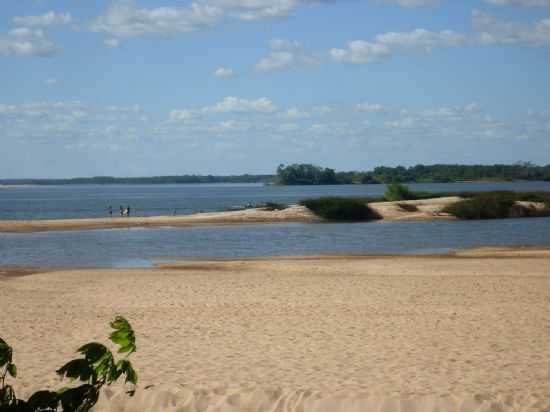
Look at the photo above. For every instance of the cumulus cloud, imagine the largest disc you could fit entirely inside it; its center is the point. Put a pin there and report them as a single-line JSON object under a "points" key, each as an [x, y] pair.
{"points": [[361, 52], [493, 30], [224, 72], [50, 18], [285, 53], [365, 52], [112, 43], [423, 39], [24, 41], [370, 107], [125, 18], [524, 3], [413, 3], [237, 105], [295, 114], [275, 61], [182, 115]]}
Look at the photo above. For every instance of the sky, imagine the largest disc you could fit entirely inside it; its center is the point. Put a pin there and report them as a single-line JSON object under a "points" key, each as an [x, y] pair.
{"points": [[170, 87]]}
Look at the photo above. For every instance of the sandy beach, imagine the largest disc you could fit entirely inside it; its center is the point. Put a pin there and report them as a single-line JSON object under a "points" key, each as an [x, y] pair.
{"points": [[465, 331], [427, 209]]}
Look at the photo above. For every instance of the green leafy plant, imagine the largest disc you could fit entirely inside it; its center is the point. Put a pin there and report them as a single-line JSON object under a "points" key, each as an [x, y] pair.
{"points": [[96, 368], [396, 191], [341, 208]]}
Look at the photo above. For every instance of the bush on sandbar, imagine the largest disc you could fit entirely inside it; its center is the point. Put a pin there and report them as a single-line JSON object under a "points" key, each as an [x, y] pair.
{"points": [[341, 208], [498, 205], [396, 191]]}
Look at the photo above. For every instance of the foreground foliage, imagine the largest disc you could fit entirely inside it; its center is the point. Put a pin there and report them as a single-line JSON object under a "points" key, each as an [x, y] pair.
{"points": [[97, 367], [342, 208], [498, 205]]}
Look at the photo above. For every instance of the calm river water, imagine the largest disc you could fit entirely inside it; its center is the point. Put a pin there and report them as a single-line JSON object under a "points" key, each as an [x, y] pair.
{"points": [[139, 247]]}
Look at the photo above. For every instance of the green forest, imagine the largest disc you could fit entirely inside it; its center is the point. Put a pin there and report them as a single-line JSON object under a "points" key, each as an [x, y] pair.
{"points": [[308, 174]]}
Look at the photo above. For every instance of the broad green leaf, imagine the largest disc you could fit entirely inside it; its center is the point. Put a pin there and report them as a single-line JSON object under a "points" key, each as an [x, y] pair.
{"points": [[103, 366], [43, 401], [125, 367], [123, 335], [6, 353], [12, 370], [77, 369], [93, 351], [79, 399]]}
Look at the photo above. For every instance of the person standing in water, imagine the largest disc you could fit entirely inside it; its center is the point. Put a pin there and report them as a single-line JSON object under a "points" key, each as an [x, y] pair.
{"points": [[121, 211], [128, 211], [110, 211]]}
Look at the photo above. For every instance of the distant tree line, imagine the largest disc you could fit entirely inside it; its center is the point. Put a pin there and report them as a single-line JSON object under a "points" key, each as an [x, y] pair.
{"points": [[307, 174], [103, 180]]}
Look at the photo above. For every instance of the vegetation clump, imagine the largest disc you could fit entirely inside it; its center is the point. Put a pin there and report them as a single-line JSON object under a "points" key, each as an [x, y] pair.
{"points": [[396, 191], [96, 368], [273, 206], [341, 208], [498, 205], [408, 207]]}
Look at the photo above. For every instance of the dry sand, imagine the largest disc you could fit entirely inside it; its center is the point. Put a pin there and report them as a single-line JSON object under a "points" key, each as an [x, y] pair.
{"points": [[463, 332], [247, 216], [427, 209]]}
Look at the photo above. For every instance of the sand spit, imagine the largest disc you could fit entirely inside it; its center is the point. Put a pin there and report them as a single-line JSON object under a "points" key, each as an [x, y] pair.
{"points": [[426, 209], [247, 216], [465, 332]]}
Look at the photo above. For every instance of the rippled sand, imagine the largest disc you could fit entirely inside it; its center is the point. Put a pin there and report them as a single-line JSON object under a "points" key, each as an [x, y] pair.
{"points": [[465, 332]]}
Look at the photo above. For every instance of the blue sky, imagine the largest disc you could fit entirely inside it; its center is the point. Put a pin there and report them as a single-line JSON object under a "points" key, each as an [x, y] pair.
{"points": [[142, 87]]}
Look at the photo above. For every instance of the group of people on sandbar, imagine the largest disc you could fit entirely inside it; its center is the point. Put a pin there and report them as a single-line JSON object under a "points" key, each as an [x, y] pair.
{"points": [[124, 211]]}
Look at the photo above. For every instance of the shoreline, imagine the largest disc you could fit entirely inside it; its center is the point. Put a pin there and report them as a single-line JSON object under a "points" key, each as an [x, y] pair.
{"points": [[360, 333], [428, 209]]}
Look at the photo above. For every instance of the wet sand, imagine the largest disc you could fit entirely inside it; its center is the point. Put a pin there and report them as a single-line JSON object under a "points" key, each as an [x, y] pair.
{"points": [[465, 331]]}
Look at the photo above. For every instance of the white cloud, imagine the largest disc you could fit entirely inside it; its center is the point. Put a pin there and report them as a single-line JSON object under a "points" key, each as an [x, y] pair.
{"points": [[183, 115], [112, 43], [285, 53], [295, 114], [224, 72], [52, 81], [275, 61], [524, 3], [421, 38], [125, 18], [413, 3], [50, 18], [405, 123], [237, 105], [370, 107], [496, 31], [23, 41], [361, 52], [288, 127]]}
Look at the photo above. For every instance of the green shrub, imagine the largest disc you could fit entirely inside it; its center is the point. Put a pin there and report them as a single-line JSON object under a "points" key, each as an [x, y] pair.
{"points": [[408, 207], [396, 191], [498, 205], [341, 208], [96, 368], [272, 206]]}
